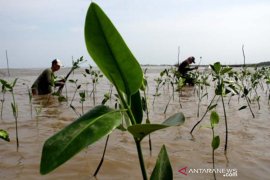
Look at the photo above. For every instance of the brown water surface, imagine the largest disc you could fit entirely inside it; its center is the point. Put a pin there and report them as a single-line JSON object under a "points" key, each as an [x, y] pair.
{"points": [[248, 148]]}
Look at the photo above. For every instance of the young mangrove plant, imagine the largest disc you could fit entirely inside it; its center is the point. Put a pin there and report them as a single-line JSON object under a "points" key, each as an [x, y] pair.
{"points": [[218, 73], [255, 81], [159, 83], [77, 87], [214, 120], [82, 99], [221, 90], [30, 97], [201, 83], [115, 60], [75, 65], [95, 76], [10, 87], [3, 97], [180, 84], [245, 89], [171, 80]]}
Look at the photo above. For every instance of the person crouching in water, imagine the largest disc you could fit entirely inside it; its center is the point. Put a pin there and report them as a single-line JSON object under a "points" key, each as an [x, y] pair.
{"points": [[184, 68], [46, 80]]}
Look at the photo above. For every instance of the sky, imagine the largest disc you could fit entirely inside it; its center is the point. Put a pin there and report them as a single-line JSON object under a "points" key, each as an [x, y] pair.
{"points": [[33, 32]]}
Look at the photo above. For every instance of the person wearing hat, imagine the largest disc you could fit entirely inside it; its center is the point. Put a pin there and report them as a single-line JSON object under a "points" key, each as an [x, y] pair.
{"points": [[184, 68], [46, 80]]}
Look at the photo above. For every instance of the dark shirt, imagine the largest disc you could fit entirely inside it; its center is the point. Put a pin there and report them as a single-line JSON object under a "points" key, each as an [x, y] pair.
{"points": [[184, 68], [44, 82]]}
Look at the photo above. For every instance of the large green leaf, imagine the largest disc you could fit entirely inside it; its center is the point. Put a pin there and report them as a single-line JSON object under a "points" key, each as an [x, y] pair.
{"points": [[139, 131], [110, 52], [163, 168], [86, 130]]}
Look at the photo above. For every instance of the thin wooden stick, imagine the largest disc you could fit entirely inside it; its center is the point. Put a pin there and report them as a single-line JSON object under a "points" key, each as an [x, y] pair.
{"points": [[7, 63], [244, 55]]}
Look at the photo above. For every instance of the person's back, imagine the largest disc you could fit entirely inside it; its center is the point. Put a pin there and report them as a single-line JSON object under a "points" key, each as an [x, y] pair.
{"points": [[184, 68], [44, 82]]}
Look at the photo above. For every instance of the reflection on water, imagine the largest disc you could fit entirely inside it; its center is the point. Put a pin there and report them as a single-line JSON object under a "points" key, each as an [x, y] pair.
{"points": [[248, 148]]}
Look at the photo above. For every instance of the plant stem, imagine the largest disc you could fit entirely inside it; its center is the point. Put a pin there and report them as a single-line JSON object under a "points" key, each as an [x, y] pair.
{"points": [[257, 99], [226, 126], [249, 106], [140, 155], [147, 119], [167, 105], [199, 103], [179, 98], [207, 109], [15, 114], [102, 159], [126, 106], [213, 152], [2, 103], [213, 159], [133, 121]]}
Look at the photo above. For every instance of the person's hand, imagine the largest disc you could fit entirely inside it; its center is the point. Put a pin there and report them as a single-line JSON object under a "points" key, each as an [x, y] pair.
{"points": [[34, 91], [62, 80]]}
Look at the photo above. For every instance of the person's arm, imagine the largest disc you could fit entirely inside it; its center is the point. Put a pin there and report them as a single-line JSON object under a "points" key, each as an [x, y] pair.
{"points": [[190, 69], [59, 82]]}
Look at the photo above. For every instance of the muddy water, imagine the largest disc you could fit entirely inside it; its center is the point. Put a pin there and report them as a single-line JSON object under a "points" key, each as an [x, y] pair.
{"points": [[248, 148]]}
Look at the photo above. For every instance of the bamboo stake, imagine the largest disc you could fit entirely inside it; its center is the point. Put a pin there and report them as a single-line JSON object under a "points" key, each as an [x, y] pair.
{"points": [[7, 63]]}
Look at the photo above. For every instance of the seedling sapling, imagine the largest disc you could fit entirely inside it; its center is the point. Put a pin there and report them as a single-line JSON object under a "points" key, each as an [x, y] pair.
{"points": [[115, 60]]}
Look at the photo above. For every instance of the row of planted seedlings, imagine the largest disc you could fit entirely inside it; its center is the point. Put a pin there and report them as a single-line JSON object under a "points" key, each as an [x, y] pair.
{"points": [[81, 88], [8, 89], [170, 84], [228, 83], [245, 84], [8, 97], [124, 72]]}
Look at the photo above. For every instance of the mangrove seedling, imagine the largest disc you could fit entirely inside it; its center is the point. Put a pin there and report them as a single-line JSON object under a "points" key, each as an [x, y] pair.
{"points": [[218, 73], [10, 87], [201, 82], [77, 87], [30, 97], [82, 98], [95, 76], [214, 120], [3, 98], [221, 90], [109, 51], [75, 65]]}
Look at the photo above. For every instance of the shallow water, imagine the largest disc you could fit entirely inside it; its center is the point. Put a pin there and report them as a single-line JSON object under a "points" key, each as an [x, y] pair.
{"points": [[248, 143]]}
